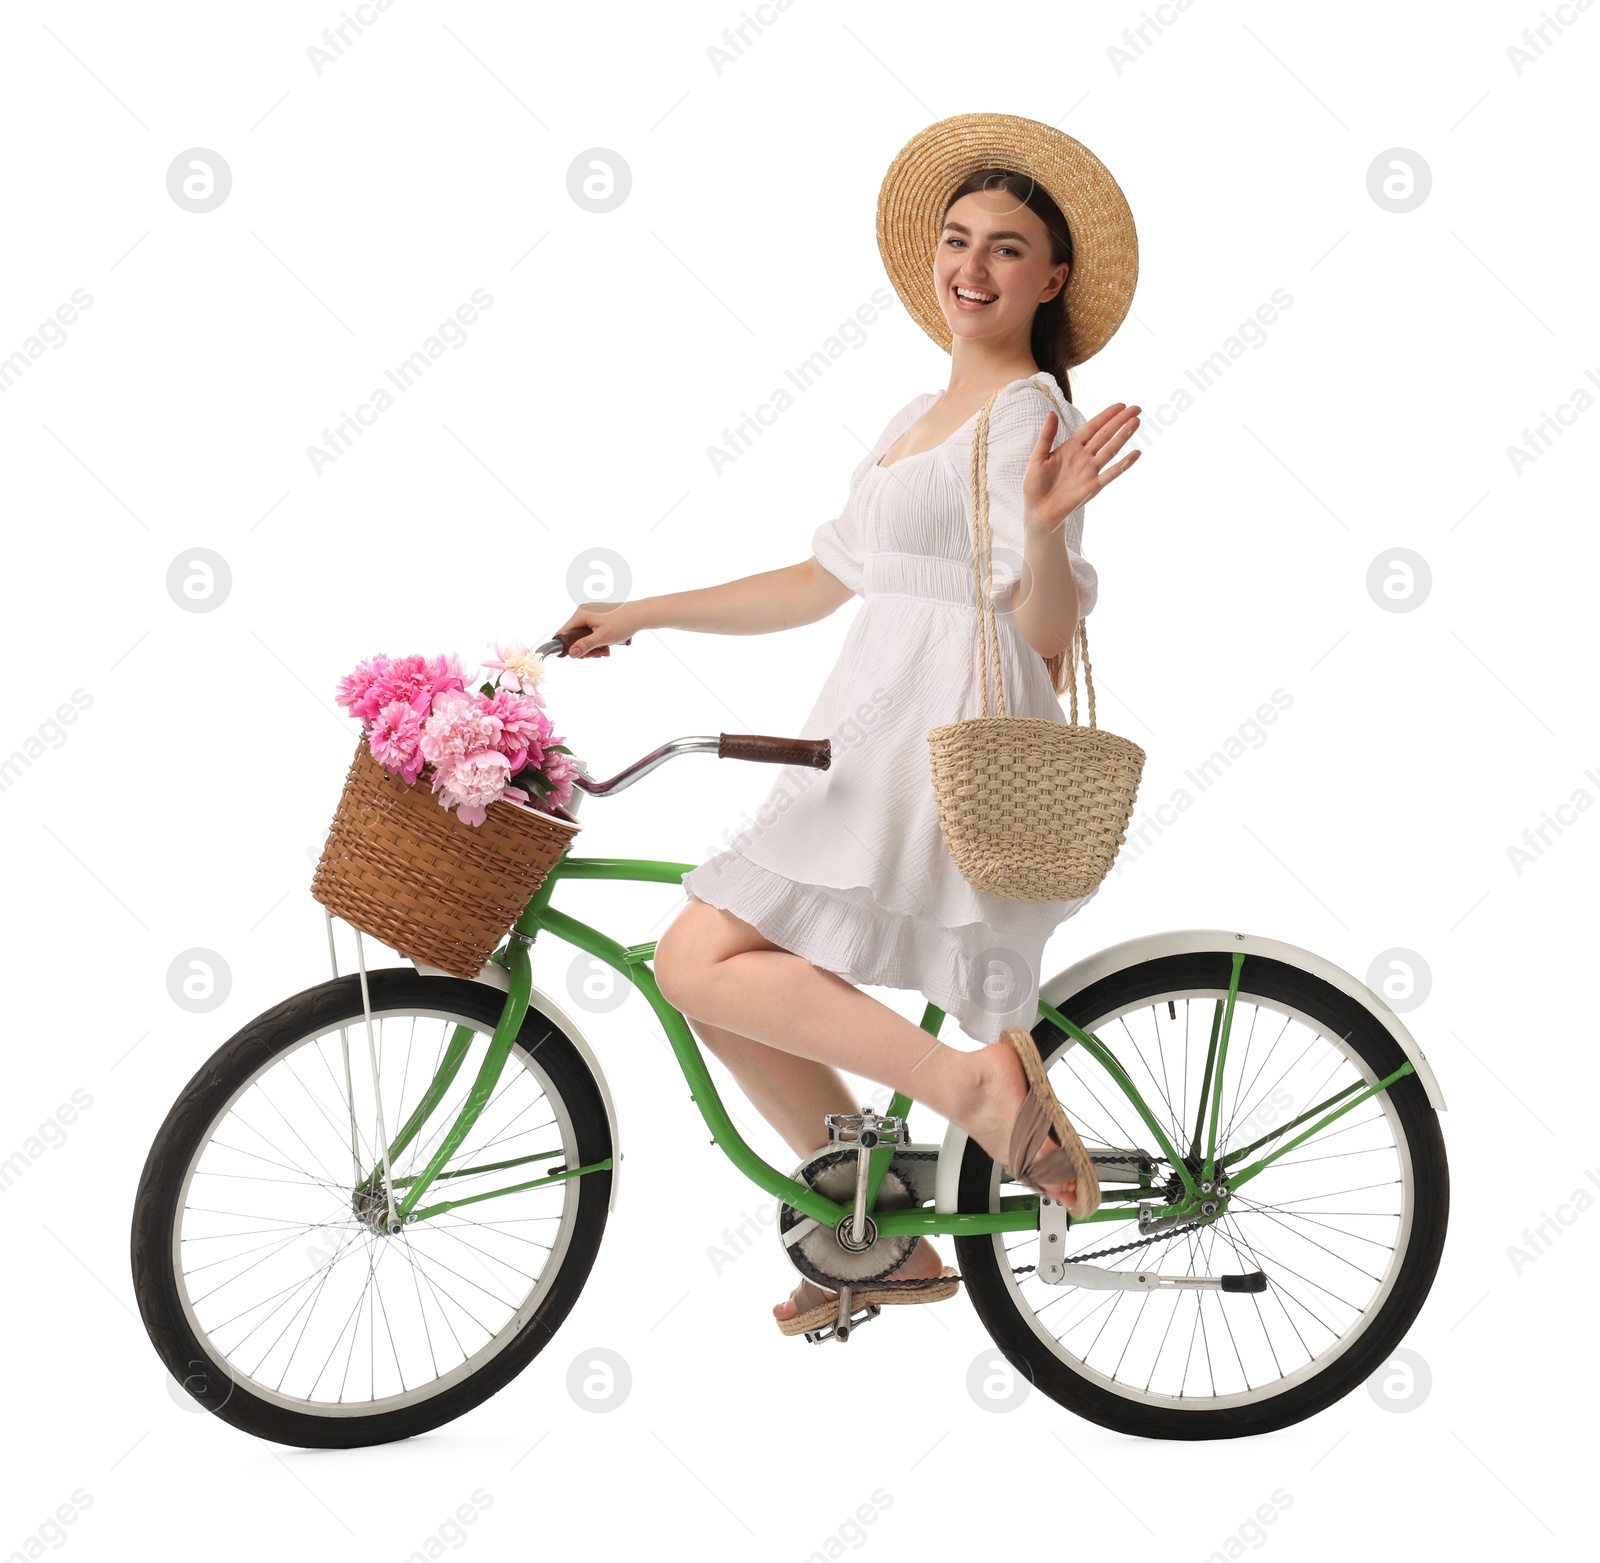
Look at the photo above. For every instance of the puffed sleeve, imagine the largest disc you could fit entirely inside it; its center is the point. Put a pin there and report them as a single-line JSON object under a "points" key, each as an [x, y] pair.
{"points": [[1014, 424], [837, 545]]}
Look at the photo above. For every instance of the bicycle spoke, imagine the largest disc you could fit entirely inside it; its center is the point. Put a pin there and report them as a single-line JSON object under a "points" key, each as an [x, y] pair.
{"points": [[206, 1296], [422, 1313], [452, 1218], [1306, 1161], [196, 1269], [1277, 1285], [261, 1091], [340, 1124], [1262, 1210], [1079, 1119], [1283, 1031], [1164, 1086], [216, 1237], [1241, 1245], [418, 1274], [307, 1306], [1255, 1298], [1312, 1220], [1225, 1133], [320, 1279], [237, 1119], [1172, 1314], [283, 1166]]}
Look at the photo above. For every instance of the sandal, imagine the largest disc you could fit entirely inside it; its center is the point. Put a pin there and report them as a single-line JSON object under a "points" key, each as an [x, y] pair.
{"points": [[816, 1310], [1040, 1115]]}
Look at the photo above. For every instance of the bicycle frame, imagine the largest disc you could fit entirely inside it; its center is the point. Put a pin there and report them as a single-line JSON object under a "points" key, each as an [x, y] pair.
{"points": [[1203, 1177]]}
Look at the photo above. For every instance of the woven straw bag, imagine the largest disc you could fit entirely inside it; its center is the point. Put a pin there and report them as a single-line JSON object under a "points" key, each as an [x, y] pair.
{"points": [[1031, 809], [413, 876]]}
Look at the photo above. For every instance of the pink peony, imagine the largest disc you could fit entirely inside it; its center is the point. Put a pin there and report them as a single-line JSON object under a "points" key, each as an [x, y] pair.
{"points": [[559, 769], [523, 728], [394, 739], [459, 724], [470, 783], [354, 687], [415, 680]]}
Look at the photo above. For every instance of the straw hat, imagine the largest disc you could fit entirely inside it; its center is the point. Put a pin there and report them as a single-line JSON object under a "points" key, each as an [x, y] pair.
{"points": [[934, 162]]}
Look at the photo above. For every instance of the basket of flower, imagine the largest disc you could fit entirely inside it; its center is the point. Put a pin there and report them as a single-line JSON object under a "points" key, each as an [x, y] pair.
{"points": [[454, 808]]}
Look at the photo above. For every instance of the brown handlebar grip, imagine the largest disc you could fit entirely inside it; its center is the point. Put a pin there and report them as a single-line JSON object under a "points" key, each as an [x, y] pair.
{"points": [[572, 635], [814, 752]]}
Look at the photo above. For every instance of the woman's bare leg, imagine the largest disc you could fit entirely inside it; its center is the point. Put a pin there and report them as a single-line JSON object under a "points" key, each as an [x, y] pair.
{"points": [[783, 1025], [794, 1094], [718, 968]]}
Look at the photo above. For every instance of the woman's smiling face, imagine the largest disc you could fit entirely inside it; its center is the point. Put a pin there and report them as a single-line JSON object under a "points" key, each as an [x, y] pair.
{"points": [[993, 268]]}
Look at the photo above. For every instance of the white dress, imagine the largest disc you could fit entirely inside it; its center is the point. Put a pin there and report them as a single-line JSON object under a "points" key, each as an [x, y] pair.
{"points": [[848, 867]]}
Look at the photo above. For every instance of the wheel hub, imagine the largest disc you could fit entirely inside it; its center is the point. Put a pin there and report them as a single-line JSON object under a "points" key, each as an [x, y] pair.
{"points": [[371, 1208]]}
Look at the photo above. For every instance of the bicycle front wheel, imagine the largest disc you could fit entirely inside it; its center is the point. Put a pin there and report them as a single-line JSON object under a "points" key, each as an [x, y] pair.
{"points": [[264, 1271], [1347, 1227]]}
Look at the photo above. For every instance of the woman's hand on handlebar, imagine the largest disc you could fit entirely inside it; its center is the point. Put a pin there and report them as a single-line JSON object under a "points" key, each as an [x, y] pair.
{"points": [[606, 623]]}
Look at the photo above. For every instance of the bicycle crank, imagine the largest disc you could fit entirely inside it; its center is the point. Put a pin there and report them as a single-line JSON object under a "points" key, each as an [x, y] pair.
{"points": [[854, 1256], [832, 1258]]}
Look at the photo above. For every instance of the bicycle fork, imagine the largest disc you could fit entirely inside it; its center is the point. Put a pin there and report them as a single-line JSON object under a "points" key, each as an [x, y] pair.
{"points": [[386, 1202]]}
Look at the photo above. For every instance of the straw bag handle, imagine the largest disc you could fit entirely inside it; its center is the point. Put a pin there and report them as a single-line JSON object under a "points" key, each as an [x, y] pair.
{"points": [[988, 636]]}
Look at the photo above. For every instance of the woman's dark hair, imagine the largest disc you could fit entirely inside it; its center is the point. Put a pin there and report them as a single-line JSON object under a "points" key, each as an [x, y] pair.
{"points": [[1050, 344], [1051, 331]]}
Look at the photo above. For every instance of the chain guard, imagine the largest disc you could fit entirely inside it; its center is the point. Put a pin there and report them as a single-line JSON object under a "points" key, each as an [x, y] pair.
{"points": [[818, 1255]]}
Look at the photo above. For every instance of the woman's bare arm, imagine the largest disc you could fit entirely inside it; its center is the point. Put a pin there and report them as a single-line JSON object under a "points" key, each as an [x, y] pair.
{"points": [[1046, 605], [752, 605], [1057, 481]]}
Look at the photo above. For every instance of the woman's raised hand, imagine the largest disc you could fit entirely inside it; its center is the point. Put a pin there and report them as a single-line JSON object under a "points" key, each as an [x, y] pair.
{"points": [[1058, 481], [606, 623]]}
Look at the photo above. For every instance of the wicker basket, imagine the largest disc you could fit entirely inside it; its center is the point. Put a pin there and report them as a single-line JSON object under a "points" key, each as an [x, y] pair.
{"points": [[1031, 809], [402, 868]]}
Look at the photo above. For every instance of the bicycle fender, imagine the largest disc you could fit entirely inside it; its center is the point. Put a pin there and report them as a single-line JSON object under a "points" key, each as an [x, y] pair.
{"points": [[1188, 941], [498, 977]]}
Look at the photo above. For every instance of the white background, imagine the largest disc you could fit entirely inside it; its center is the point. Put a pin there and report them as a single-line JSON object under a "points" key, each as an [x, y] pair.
{"points": [[186, 804]]}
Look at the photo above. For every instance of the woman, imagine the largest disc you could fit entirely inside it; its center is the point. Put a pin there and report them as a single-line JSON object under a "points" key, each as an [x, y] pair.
{"points": [[846, 878]]}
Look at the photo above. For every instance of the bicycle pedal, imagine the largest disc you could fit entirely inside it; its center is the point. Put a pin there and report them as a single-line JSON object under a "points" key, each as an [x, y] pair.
{"points": [[842, 1334], [865, 1129]]}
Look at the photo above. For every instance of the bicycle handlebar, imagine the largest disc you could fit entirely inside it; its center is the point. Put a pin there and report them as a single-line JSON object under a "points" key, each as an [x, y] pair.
{"points": [[560, 643], [813, 752], [816, 753]]}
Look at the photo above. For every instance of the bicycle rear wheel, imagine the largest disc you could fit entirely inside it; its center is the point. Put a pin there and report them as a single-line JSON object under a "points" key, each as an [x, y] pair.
{"points": [[263, 1273], [1347, 1227]]}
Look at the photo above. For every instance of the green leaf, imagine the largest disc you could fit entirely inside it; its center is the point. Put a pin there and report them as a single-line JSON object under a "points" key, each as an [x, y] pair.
{"points": [[532, 780], [486, 690]]}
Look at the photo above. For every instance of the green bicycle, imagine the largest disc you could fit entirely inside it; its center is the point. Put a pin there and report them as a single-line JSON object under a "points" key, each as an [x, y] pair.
{"points": [[333, 1251]]}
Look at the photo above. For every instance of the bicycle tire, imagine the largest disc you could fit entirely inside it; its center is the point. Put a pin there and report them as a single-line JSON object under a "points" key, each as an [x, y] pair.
{"points": [[988, 1278], [185, 1133]]}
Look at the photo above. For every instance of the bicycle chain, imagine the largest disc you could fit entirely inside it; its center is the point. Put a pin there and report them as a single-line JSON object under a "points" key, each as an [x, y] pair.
{"points": [[1100, 1253], [1119, 1248]]}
